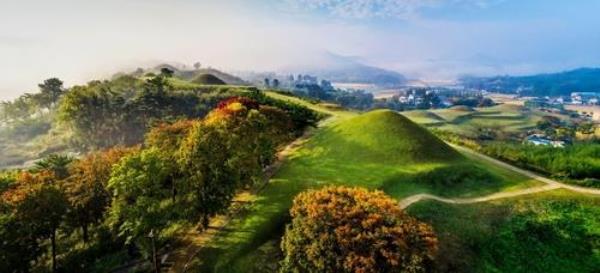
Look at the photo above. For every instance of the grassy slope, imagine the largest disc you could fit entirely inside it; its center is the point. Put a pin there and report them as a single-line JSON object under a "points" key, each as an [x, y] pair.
{"points": [[557, 231], [381, 149]]}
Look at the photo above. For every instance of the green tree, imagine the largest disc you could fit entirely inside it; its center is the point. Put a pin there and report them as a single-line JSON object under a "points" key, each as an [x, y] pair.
{"points": [[211, 179], [57, 164], [51, 90], [166, 72], [138, 190], [339, 229], [167, 138], [95, 115], [18, 245]]}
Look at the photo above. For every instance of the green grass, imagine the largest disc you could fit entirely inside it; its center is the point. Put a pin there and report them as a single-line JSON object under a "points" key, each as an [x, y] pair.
{"points": [[179, 84], [503, 118], [556, 231], [208, 79], [377, 150], [424, 117]]}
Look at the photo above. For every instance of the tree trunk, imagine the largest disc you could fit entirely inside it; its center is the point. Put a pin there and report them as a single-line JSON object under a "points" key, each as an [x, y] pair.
{"points": [[84, 229], [205, 221], [173, 189], [53, 239]]}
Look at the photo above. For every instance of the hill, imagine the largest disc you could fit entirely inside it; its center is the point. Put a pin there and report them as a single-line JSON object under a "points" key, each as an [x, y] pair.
{"points": [[377, 150], [226, 77], [388, 136], [208, 79], [553, 84], [191, 74]]}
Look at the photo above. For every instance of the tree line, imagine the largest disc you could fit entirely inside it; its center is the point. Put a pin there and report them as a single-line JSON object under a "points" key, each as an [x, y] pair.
{"points": [[185, 170]]}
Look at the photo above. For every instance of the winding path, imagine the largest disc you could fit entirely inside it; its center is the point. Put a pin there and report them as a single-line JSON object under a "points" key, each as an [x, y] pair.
{"points": [[550, 185]]}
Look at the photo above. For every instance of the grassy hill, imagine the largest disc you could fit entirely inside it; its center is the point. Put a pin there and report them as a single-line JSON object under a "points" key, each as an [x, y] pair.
{"points": [[552, 232], [388, 136], [377, 150], [190, 74], [208, 79]]}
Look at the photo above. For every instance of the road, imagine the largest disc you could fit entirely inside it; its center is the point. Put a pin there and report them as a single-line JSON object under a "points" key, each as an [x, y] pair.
{"points": [[550, 185]]}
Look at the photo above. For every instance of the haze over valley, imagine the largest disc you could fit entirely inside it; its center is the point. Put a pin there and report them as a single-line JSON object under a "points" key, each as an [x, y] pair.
{"points": [[299, 136], [426, 40]]}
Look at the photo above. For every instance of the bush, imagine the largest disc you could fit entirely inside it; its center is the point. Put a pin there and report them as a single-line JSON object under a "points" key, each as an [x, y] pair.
{"points": [[339, 229]]}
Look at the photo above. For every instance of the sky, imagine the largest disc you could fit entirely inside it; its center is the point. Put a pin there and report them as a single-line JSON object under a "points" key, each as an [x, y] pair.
{"points": [[81, 40]]}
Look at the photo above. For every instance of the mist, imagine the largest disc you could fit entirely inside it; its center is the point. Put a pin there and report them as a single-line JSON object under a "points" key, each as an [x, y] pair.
{"points": [[78, 41]]}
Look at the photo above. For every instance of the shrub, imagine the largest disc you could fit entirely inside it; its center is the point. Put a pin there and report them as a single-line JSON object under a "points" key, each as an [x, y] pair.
{"points": [[339, 229]]}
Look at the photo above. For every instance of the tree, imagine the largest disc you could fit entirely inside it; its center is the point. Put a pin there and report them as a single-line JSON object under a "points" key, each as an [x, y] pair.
{"points": [[197, 65], [167, 139], [339, 229], [86, 189], [51, 90], [98, 116], [39, 202], [18, 245], [275, 83], [267, 82], [57, 164], [19, 109], [204, 160], [166, 72], [138, 189]]}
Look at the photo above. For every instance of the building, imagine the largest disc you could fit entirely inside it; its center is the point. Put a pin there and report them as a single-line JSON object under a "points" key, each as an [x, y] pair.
{"points": [[542, 140], [585, 97]]}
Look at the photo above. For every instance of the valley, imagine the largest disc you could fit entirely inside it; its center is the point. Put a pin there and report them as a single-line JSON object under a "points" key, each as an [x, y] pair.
{"points": [[428, 161]]}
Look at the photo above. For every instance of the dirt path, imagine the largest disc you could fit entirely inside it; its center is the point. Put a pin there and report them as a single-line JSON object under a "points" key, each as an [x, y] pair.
{"points": [[550, 185]]}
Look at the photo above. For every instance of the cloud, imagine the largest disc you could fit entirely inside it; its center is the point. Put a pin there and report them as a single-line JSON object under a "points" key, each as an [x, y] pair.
{"points": [[398, 9]]}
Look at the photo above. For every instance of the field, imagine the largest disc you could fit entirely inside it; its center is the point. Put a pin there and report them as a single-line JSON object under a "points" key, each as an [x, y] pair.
{"points": [[377, 150], [507, 118]]}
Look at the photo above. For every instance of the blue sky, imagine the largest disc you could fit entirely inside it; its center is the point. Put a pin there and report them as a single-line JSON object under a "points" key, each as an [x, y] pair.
{"points": [[431, 39]]}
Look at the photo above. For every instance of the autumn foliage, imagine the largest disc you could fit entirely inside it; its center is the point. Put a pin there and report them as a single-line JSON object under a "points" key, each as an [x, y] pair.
{"points": [[338, 229], [186, 170]]}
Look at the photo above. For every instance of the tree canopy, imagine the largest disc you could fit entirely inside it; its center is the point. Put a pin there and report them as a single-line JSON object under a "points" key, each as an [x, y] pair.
{"points": [[338, 229]]}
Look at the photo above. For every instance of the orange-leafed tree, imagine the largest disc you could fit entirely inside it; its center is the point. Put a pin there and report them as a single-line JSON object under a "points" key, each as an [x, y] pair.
{"points": [[338, 229], [37, 201], [167, 139], [85, 188]]}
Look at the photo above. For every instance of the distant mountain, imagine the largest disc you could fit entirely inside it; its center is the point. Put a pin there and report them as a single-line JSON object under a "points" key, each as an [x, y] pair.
{"points": [[554, 84], [343, 69]]}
